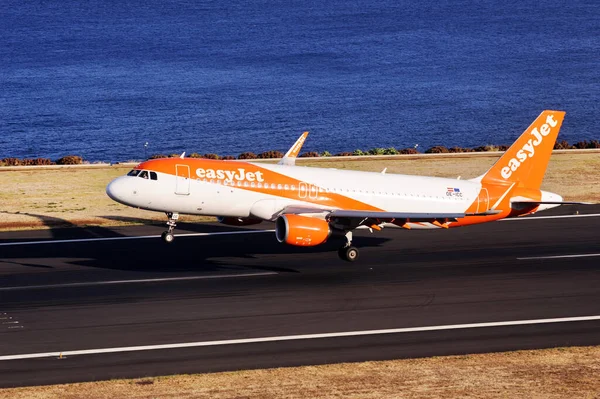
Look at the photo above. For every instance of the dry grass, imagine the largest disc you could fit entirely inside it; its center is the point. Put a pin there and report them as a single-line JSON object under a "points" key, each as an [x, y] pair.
{"points": [[51, 197], [552, 373], [63, 197]]}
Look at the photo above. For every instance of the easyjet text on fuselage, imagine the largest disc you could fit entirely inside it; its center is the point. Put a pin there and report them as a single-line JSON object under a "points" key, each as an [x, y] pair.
{"points": [[239, 174]]}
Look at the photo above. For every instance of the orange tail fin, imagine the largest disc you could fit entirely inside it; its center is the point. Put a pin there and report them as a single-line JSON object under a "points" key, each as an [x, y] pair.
{"points": [[525, 162]]}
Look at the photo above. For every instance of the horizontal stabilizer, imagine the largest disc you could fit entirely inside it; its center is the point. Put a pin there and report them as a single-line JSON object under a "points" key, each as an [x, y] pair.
{"points": [[527, 203], [531, 205], [486, 213]]}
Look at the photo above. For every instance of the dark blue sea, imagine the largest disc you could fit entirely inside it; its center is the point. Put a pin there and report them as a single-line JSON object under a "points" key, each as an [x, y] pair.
{"points": [[101, 78]]}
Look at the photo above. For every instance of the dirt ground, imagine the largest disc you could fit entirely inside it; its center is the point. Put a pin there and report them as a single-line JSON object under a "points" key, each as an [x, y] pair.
{"points": [[547, 374]]}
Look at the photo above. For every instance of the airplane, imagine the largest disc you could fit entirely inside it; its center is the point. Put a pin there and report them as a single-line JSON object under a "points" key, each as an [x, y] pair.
{"points": [[311, 205]]}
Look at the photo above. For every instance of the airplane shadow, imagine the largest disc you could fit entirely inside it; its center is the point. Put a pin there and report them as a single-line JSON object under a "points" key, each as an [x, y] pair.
{"points": [[212, 253], [134, 220], [186, 226], [61, 229], [185, 254]]}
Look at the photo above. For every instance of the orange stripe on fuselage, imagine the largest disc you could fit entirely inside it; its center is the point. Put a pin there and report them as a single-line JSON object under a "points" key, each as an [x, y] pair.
{"points": [[244, 175]]}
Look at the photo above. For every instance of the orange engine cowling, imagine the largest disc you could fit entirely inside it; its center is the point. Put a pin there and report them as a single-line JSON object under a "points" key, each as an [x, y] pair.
{"points": [[231, 221], [303, 231]]}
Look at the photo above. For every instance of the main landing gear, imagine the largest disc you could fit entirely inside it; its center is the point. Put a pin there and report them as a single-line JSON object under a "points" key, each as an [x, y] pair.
{"points": [[168, 236], [347, 252]]}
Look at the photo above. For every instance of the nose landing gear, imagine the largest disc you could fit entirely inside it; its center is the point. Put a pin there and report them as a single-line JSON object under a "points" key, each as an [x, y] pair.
{"points": [[168, 235], [347, 252]]}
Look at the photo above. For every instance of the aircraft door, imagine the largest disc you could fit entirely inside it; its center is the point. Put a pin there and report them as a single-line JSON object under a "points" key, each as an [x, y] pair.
{"points": [[182, 184]]}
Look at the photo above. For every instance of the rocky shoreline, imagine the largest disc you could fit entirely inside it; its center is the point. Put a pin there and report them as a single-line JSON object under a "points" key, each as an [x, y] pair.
{"points": [[78, 160]]}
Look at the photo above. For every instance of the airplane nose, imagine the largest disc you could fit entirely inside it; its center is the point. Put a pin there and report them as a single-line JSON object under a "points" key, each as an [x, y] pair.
{"points": [[118, 190]]}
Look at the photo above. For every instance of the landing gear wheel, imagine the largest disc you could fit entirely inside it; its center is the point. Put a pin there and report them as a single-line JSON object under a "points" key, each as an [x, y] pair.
{"points": [[167, 237], [349, 254]]}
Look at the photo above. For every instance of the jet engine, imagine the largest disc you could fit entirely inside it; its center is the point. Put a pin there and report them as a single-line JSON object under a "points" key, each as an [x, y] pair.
{"points": [[303, 231], [232, 221]]}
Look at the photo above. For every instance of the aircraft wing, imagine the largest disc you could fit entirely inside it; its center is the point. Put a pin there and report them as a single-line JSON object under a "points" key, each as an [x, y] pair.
{"points": [[412, 216], [354, 218]]}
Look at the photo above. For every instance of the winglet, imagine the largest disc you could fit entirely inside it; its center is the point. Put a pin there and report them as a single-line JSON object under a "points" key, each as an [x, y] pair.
{"points": [[290, 157]]}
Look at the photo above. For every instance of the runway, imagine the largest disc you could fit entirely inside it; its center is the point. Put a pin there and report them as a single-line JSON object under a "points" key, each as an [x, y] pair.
{"points": [[119, 303]]}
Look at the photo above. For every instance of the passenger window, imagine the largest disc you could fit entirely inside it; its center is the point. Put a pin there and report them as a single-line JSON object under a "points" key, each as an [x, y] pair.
{"points": [[143, 174], [153, 176], [133, 172]]}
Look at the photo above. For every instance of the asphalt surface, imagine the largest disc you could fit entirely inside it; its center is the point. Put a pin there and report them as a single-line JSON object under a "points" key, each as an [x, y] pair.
{"points": [[78, 295]]}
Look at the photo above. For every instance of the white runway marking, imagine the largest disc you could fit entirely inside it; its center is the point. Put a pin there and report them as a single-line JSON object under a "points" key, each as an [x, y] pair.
{"points": [[588, 215], [8, 244], [560, 256], [149, 280], [297, 337]]}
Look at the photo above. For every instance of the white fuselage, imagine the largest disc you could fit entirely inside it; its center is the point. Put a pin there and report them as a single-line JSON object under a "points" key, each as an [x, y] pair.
{"points": [[220, 197]]}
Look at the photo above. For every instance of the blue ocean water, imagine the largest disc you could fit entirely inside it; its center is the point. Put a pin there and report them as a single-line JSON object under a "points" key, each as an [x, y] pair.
{"points": [[100, 79]]}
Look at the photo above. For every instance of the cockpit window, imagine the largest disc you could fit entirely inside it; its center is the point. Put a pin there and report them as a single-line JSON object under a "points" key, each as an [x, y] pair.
{"points": [[144, 174]]}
